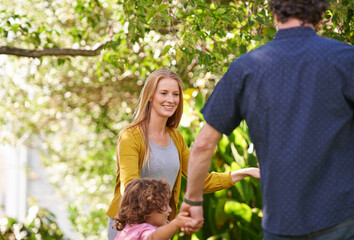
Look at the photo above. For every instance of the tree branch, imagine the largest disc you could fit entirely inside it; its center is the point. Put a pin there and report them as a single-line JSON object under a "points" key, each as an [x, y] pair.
{"points": [[20, 52]]}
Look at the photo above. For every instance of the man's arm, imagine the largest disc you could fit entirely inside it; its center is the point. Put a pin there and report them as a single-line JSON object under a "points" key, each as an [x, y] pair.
{"points": [[198, 166], [200, 160]]}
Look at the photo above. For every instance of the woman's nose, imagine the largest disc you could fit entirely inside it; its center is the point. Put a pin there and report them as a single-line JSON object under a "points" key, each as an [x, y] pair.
{"points": [[170, 98]]}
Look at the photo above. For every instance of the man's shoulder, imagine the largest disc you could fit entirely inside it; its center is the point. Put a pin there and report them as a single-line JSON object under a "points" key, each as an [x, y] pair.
{"points": [[334, 49], [251, 58], [334, 42]]}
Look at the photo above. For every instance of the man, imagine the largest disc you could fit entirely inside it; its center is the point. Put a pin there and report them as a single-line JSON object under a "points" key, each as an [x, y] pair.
{"points": [[296, 94]]}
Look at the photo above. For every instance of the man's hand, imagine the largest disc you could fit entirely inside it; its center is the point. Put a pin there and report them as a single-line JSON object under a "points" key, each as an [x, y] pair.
{"points": [[195, 212]]}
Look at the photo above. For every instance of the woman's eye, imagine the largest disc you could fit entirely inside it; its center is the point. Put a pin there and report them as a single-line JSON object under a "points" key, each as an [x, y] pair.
{"points": [[163, 93]]}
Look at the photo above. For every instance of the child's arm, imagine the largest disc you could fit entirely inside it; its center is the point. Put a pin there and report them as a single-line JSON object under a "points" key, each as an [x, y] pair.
{"points": [[246, 172], [167, 231]]}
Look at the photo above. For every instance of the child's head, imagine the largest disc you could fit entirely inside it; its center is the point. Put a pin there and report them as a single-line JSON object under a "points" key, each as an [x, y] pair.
{"points": [[142, 199]]}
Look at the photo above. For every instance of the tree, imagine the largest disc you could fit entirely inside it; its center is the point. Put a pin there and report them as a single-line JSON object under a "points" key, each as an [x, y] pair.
{"points": [[83, 65]]}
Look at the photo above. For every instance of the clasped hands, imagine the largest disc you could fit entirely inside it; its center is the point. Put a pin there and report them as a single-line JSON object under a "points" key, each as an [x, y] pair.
{"points": [[194, 212]]}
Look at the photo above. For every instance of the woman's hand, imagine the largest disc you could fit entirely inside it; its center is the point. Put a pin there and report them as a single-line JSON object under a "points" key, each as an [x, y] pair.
{"points": [[245, 172]]}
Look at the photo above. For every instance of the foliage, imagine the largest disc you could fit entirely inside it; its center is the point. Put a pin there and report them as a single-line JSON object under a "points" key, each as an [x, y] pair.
{"points": [[74, 107], [39, 224], [338, 21]]}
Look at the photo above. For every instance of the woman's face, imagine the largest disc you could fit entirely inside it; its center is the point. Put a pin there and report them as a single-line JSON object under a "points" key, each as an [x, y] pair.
{"points": [[159, 219], [165, 100]]}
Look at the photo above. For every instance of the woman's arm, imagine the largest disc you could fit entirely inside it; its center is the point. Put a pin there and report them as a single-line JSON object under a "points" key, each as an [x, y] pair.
{"points": [[215, 181], [246, 172], [128, 153]]}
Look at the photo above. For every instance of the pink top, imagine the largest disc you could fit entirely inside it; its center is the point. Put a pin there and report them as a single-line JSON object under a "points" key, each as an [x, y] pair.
{"points": [[136, 232]]}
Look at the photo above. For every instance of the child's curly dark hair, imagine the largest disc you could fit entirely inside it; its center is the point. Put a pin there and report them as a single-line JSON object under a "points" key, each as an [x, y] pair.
{"points": [[141, 197], [309, 11]]}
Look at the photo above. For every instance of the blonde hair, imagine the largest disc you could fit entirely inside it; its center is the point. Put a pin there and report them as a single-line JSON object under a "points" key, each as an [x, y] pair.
{"points": [[142, 114]]}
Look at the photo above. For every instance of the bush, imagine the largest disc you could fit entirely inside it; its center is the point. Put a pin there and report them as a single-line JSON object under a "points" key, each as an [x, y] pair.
{"points": [[39, 224]]}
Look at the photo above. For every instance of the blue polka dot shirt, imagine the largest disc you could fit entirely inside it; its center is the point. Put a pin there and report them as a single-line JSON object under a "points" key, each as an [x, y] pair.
{"points": [[296, 94]]}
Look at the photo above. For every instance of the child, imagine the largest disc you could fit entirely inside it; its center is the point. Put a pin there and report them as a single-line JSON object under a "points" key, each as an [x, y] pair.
{"points": [[144, 210]]}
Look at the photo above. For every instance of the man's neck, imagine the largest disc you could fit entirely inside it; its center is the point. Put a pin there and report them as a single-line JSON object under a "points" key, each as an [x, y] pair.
{"points": [[291, 23]]}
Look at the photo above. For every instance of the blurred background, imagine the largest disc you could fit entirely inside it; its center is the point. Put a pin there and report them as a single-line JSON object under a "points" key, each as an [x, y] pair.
{"points": [[70, 77]]}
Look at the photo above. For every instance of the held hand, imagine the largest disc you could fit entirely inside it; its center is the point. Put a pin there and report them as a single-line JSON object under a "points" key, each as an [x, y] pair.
{"points": [[196, 213], [182, 218]]}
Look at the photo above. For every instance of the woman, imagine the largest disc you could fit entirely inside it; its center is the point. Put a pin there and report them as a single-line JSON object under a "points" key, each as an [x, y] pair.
{"points": [[151, 145]]}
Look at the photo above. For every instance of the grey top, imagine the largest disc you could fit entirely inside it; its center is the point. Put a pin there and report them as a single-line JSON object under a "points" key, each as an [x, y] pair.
{"points": [[163, 163]]}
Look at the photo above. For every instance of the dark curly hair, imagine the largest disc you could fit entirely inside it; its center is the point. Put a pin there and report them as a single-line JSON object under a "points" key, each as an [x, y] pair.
{"points": [[141, 197], [308, 11]]}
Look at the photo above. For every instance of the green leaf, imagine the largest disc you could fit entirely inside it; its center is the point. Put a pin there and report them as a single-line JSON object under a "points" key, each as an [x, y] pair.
{"points": [[259, 20], [240, 209], [165, 50], [227, 18], [202, 6], [150, 14], [114, 45], [221, 11], [220, 216], [179, 54], [243, 49], [222, 33], [223, 143], [258, 38], [61, 61], [199, 102], [240, 139], [238, 158], [163, 7], [207, 59]]}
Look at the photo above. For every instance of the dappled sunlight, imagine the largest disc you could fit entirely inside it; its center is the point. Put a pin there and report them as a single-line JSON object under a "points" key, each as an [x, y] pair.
{"points": [[72, 108]]}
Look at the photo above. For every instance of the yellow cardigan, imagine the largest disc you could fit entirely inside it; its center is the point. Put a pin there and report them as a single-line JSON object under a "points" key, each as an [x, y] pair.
{"points": [[129, 155]]}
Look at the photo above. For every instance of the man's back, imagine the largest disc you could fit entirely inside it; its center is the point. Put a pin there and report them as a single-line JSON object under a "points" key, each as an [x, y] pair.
{"points": [[297, 96]]}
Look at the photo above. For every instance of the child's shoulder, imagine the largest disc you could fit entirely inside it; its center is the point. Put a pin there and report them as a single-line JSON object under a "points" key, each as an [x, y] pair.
{"points": [[143, 226]]}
